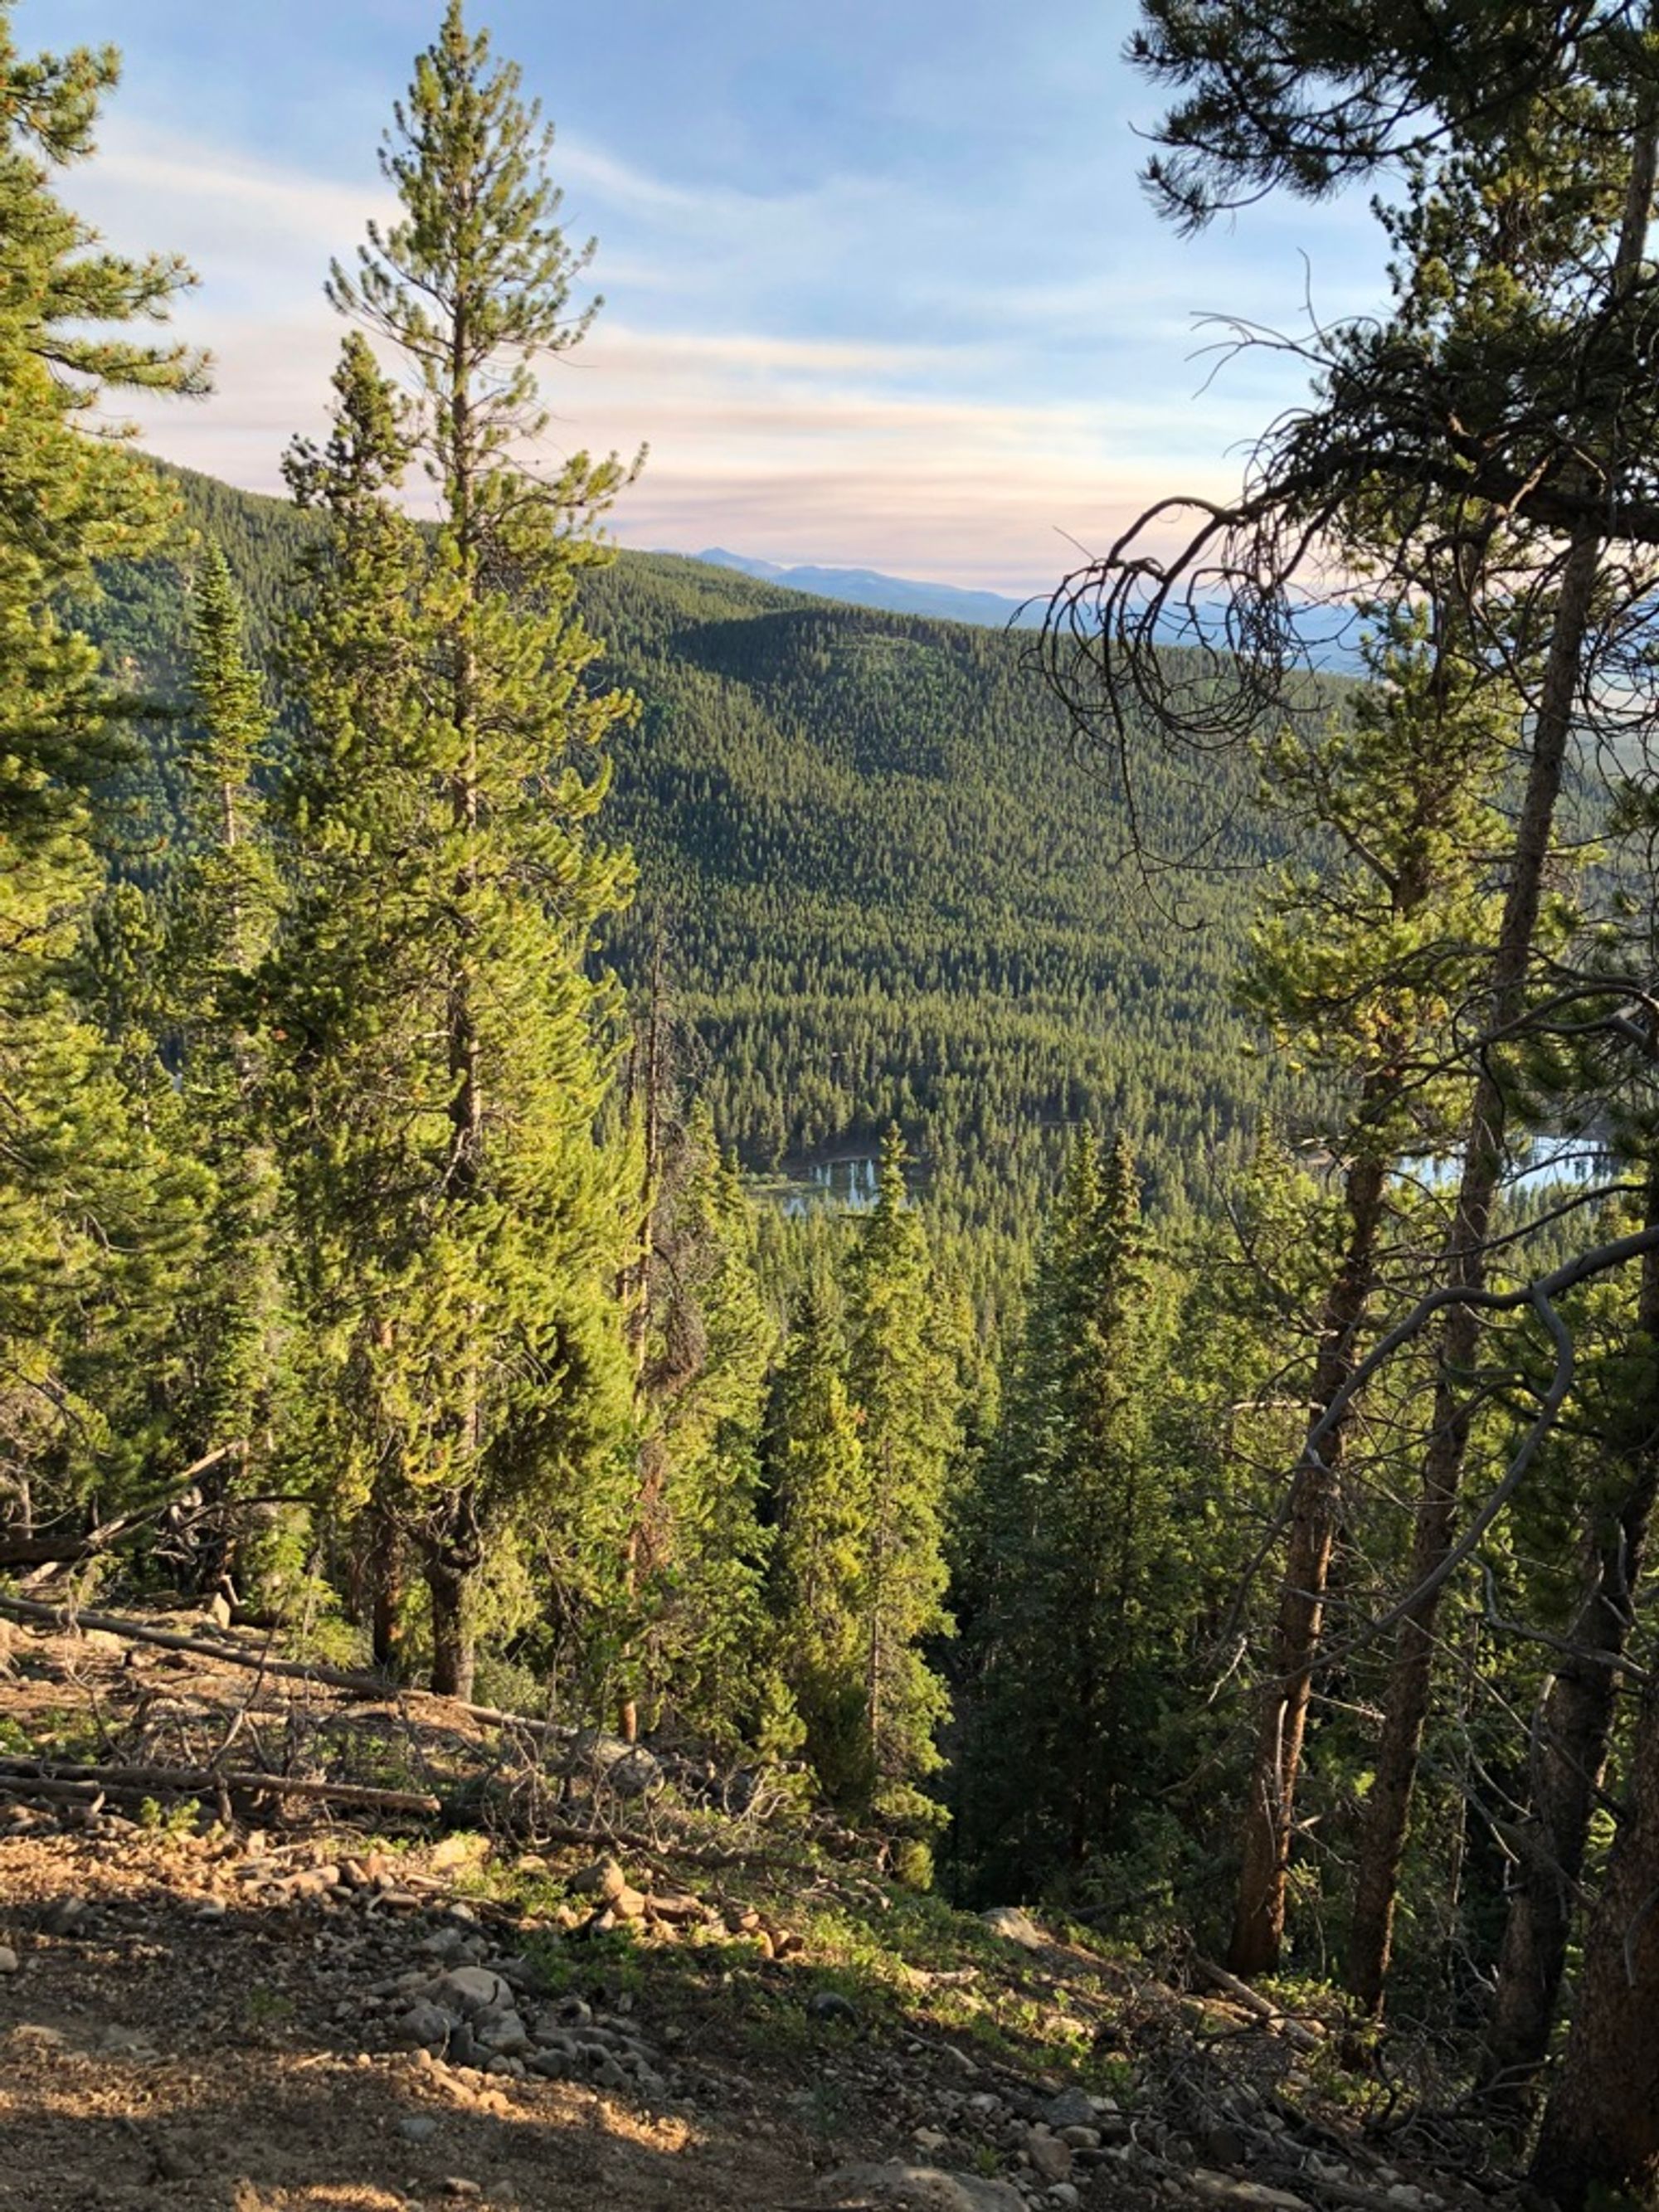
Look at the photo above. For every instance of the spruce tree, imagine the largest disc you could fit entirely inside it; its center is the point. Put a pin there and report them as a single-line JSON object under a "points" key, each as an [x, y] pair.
{"points": [[903, 1381], [1075, 1637], [221, 913], [704, 1639], [1357, 969], [445, 1048], [96, 1222], [819, 1485]]}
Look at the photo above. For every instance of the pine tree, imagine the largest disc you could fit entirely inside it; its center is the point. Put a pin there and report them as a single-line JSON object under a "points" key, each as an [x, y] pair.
{"points": [[1075, 1634], [446, 1051], [1358, 969], [819, 1485], [96, 1222], [221, 914], [707, 1352], [903, 1381]]}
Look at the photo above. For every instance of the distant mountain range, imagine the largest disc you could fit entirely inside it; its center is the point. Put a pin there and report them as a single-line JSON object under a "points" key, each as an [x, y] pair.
{"points": [[1330, 633], [899, 595]]}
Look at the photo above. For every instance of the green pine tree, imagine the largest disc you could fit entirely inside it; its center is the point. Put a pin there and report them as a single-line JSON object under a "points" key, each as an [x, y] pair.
{"points": [[707, 1353], [221, 908], [95, 1221], [902, 1376], [819, 1484], [446, 1051], [1076, 1631]]}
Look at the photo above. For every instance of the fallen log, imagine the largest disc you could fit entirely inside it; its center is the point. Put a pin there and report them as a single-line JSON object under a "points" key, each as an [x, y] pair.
{"points": [[41, 1786], [229, 1653], [1273, 2018], [208, 1781]]}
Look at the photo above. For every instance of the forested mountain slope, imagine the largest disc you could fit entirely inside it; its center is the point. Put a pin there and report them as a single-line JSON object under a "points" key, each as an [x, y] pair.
{"points": [[886, 886]]}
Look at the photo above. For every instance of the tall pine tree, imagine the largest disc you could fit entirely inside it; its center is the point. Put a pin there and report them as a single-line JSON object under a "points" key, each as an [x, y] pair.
{"points": [[1075, 1629], [96, 1222], [446, 1051], [903, 1379]]}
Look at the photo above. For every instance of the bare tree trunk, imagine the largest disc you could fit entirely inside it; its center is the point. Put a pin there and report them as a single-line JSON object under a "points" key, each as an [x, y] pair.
{"points": [[385, 1567], [1600, 2131], [1269, 1813], [1387, 1806], [1572, 1729]]}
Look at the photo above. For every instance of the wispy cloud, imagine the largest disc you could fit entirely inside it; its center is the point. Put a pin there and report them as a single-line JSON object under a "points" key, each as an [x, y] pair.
{"points": [[964, 418]]}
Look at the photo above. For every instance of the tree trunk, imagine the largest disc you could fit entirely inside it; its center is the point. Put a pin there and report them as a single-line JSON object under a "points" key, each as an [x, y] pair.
{"points": [[1600, 2131], [384, 1566], [1389, 1805], [452, 1631], [1572, 1729], [1258, 1913], [452, 1547]]}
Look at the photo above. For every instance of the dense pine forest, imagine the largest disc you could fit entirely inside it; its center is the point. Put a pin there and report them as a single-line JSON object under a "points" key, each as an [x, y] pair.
{"points": [[1202, 1485], [877, 883]]}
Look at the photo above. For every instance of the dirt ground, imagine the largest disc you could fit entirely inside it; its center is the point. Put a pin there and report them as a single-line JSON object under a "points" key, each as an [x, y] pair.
{"points": [[177, 2047]]}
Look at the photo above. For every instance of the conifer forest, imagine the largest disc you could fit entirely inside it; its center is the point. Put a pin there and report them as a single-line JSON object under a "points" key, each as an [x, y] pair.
{"points": [[1044, 1243]]}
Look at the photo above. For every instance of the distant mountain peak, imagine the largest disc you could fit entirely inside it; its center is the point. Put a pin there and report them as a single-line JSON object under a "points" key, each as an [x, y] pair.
{"points": [[869, 587]]}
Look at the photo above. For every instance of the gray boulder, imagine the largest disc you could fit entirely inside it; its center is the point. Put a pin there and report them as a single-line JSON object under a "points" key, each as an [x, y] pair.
{"points": [[918, 2189], [424, 2026], [627, 1768], [1071, 2109], [469, 1990]]}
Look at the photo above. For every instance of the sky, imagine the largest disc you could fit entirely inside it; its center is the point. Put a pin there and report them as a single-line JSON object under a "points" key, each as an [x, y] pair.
{"points": [[881, 288]]}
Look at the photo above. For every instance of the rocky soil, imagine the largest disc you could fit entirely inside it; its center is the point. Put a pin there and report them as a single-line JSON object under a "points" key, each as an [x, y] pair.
{"points": [[203, 2012]]}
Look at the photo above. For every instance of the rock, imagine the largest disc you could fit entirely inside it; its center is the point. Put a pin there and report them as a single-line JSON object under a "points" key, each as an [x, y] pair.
{"points": [[630, 1769], [605, 1878], [1064, 2193], [1080, 2138], [918, 2189], [1051, 2159], [471, 1990], [930, 2140], [1015, 1926], [830, 2005], [1247, 2196], [504, 2032], [1071, 2109], [627, 1903], [9, 1961], [448, 1944], [424, 2026], [678, 1906], [456, 2186], [418, 2128], [65, 1915]]}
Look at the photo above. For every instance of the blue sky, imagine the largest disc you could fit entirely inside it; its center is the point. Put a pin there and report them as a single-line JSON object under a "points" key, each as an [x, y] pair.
{"points": [[881, 287]]}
